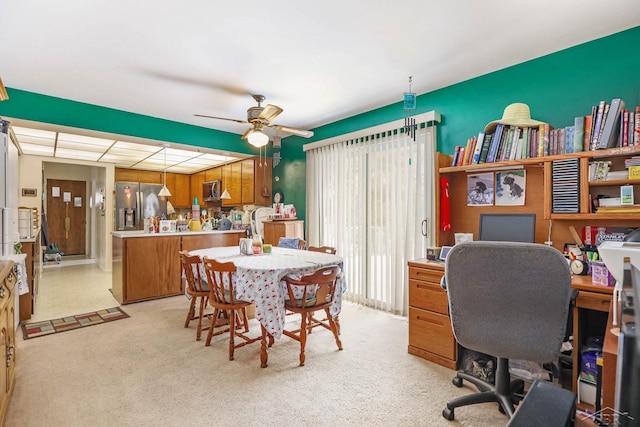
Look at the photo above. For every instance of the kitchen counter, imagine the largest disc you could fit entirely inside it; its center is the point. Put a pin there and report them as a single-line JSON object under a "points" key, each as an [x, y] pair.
{"points": [[140, 233], [147, 266]]}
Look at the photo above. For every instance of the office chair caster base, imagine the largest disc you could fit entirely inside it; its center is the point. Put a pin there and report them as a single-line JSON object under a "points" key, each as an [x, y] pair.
{"points": [[448, 414], [457, 381]]}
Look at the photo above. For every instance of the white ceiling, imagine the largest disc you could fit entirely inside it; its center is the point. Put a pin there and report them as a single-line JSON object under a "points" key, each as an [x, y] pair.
{"points": [[320, 61]]}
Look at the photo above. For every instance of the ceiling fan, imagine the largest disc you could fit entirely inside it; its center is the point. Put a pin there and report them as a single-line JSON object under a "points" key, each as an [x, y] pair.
{"points": [[260, 117]]}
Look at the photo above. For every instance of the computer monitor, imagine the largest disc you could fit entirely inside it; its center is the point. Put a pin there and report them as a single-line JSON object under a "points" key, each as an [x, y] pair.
{"points": [[508, 227]]}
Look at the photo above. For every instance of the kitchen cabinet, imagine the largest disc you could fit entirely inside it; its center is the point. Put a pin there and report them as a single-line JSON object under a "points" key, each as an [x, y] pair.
{"points": [[274, 230], [138, 175], [147, 266], [231, 181], [430, 333], [179, 187], [256, 181], [196, 181], [150, 268], [213, 174], [33, 250], [7, 335]]}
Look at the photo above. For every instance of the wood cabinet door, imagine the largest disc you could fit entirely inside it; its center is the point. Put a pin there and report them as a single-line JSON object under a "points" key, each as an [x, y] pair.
{"points": [[126, 175], [182, 194], [247, 181], [231, 180], [262, 184], [150, 177], [4, 371], [196, 181], [213, 174], [152, 267]]}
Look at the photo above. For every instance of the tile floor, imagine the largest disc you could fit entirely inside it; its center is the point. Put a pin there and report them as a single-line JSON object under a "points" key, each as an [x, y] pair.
{"points": [[74, 286]]}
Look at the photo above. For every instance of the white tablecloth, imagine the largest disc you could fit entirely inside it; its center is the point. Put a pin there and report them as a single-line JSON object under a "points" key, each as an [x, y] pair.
{"points": [[258, 278]]}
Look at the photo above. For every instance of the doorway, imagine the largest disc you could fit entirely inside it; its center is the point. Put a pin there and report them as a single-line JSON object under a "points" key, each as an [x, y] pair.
{"points": [[66, 215]]}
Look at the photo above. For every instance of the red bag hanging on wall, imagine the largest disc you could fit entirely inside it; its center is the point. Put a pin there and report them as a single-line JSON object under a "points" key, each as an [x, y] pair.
{"points": [[445, 205]]}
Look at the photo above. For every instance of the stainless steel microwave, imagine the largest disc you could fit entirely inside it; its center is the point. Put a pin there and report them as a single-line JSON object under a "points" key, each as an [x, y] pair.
{"points": [[211, 191]]}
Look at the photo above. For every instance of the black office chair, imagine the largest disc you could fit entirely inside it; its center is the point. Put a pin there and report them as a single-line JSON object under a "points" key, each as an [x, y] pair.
{"points": [[508, 300]]}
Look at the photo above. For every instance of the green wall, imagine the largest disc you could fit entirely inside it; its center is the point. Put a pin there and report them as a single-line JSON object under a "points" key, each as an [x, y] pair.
{"points": [[557, 87], [48, 109]]}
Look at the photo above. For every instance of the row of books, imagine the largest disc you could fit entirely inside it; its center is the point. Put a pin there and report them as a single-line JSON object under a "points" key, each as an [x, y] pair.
{"points": [[609, 125]]}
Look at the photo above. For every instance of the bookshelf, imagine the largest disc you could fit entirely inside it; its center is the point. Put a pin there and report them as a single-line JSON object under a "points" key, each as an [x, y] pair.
{"points": [[549, 225]]}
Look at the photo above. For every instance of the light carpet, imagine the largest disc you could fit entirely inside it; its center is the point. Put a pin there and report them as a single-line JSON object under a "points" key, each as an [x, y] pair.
{"points": [[152, 372]]}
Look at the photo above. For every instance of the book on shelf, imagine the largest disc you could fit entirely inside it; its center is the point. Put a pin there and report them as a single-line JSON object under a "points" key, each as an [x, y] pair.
{"points": [[623, 140], [588, 124], [632, 124], [610, 125], [495, 143], [578, 134], [597, 124], [478, 148], [636, 126], [619, 209], [633, 172], [485, 148]]}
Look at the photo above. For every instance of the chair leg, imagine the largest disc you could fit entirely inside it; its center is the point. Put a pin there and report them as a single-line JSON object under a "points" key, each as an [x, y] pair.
{"points": [[191, 312], [303, 337], [232, 333], [245, 319], [214, 320], [203, 303], [334, 329]]}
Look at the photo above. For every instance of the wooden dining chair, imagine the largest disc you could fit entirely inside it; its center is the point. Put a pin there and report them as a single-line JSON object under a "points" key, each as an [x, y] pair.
{"points": [[292, 243], [326, 249], [196, 288], [222, 297], [312, 292]]}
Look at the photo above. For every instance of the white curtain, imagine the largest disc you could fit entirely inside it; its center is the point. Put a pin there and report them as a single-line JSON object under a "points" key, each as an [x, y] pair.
{"points": [[368, 197]]}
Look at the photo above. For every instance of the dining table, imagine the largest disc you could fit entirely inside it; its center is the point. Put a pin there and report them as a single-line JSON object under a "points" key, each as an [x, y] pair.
{"points": [[259, 280]]}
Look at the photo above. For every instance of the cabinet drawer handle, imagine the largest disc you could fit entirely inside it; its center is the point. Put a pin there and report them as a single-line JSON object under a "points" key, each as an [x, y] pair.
{"points": [[433, 322]]}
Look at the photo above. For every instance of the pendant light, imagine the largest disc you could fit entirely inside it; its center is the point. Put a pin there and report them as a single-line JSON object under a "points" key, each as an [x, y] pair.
{"points": [[164, 192], [225, 194]]}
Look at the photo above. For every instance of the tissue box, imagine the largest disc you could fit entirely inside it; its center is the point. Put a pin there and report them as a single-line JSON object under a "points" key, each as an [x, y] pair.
{"points": [[600, 274]]}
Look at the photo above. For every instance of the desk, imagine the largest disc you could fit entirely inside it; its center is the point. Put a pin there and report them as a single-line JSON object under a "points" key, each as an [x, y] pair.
{"points": [[258, 279], [431, 337], [590, 297]]}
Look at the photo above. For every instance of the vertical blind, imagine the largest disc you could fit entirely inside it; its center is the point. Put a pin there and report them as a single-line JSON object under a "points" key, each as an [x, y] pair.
{"points": [[368, 197]]}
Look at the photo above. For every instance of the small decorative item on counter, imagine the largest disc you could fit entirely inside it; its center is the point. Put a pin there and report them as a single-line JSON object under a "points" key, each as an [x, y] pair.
{"points": [[17, 247], [168, 226]]}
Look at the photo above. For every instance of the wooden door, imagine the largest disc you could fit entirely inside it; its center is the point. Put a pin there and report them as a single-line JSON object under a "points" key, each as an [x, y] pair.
{"points": [[66, 215]]}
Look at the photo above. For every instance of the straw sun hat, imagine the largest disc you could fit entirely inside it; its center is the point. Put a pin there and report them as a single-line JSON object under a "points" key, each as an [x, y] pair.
{"points": [[516, 114]]}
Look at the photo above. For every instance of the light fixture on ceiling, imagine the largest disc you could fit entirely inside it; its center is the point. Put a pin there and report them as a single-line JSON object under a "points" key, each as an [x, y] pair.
{"points": [[164, 192], [225, 194], [257, 138]]}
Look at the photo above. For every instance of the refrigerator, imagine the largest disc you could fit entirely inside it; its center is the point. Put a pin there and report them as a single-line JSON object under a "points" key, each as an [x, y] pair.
{"points": [[136, 201], [9, 234]]}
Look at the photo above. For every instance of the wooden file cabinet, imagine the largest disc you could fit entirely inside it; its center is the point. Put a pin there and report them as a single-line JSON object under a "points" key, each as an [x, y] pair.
{"points": [[430, 333], [274, 230]]}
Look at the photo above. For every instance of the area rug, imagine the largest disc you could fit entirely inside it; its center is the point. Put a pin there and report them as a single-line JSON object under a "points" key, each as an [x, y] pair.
{"points": [[48, 327]]}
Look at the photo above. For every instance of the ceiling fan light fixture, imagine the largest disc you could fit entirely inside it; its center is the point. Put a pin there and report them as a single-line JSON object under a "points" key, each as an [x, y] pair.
{"points": [[257, 138]]}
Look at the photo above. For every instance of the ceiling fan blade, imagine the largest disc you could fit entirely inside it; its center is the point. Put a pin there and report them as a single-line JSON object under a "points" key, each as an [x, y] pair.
{"points": [[222, 118], [270, 112], [244, 135], [293, 131]]}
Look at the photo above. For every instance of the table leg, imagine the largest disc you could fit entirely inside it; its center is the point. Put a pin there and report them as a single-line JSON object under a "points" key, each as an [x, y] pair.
{"points": [[263, 348]]}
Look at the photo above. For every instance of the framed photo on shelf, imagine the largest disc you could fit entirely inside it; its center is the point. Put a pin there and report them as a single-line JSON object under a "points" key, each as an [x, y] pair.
{"points": [[510, 187], [480, 189]]}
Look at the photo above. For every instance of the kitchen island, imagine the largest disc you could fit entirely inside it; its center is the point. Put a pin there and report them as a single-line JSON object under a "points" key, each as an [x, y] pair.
{"points": [[147, 266]]}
